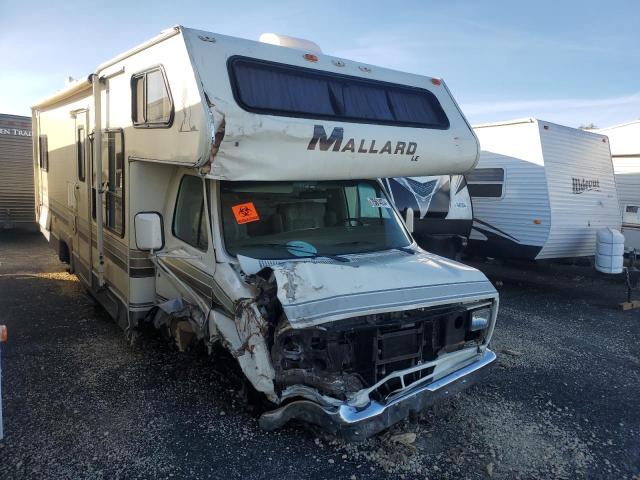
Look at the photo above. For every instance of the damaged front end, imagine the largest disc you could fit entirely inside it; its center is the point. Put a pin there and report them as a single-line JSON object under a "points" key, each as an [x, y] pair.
{"points": [[358, 375]]}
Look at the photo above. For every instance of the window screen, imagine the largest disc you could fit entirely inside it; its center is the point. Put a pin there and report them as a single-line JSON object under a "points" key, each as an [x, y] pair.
{"points": [[284, 90], [81, 154], [43, 147], [151, 103], [486, 182], [189, 218]]}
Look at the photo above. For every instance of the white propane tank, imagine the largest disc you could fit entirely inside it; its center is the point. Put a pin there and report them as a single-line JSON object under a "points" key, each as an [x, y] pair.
{"points": [[609, 250]]}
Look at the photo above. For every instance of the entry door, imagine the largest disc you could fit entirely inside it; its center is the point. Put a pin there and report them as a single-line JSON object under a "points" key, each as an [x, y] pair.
{"points": [[82, 238]]}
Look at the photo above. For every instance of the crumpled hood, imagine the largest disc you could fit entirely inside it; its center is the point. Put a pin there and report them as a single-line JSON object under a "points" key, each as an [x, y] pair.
{"points": [[319, 291]]}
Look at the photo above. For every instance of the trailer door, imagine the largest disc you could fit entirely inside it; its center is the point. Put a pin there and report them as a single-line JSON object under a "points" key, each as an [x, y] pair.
{"points": [[82, 237]]}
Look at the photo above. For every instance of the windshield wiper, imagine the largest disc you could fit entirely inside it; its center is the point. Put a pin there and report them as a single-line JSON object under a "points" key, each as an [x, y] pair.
{"points": [[299, 249], [364, 242]]}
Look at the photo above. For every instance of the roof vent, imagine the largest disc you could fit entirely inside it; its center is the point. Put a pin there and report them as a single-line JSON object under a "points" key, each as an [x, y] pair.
{"points": [[290, 42]]}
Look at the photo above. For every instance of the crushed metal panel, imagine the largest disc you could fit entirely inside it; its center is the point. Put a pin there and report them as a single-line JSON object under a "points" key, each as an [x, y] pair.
{"points": [[315, 293]]}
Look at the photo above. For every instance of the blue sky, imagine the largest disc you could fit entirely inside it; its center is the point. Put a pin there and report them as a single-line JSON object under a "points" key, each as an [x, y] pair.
{"points": [[571, 62]]}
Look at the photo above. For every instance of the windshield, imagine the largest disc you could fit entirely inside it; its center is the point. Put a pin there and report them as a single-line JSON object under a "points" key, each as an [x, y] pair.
{"points": [[274, 220]]}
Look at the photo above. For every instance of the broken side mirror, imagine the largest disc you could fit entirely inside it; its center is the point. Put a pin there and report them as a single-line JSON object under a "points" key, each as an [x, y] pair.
{"points": [[408, 219], [149, 231]]}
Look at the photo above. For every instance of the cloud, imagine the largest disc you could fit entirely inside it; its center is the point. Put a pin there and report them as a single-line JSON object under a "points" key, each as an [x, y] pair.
{"points": [[570, 111]]}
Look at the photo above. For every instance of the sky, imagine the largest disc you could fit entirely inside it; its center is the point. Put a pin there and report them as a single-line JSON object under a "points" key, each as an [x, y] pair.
{"points": [[569, 62]]}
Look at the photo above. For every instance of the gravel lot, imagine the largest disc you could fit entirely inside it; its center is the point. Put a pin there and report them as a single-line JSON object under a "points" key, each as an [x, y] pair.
{"points": [[81, 402]]}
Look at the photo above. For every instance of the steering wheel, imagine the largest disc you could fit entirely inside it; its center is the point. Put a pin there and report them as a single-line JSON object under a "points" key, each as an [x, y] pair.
{"points": [[351, 219]]}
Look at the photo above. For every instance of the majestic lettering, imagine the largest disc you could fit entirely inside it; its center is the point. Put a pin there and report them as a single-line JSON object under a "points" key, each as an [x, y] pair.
{"points": [[335, 141], [581, 185]]}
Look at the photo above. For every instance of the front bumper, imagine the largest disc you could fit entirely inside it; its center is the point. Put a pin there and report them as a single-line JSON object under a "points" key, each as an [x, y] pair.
{"points": [[355, 424]]}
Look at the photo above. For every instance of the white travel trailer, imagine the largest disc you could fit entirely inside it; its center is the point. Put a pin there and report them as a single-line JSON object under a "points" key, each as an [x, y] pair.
{"points": [[225, 191], [441, 208], [540, 191], [624, 141]]}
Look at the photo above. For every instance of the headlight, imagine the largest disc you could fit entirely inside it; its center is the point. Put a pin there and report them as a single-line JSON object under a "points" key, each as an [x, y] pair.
{"points": [[480, 318]]}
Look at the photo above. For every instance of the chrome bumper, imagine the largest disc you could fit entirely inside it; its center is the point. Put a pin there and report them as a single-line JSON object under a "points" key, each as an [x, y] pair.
{"points": [[355, 424]]}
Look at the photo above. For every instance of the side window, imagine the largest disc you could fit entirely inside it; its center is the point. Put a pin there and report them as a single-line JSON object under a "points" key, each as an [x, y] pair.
{"points": [[631, 214], [189, 218], [81, 154], [113, 175], [486, 182], [151, 102], [43, 147]]}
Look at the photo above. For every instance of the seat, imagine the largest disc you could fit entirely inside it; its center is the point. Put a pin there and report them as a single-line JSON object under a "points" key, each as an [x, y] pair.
{"points": [[302, 216]]}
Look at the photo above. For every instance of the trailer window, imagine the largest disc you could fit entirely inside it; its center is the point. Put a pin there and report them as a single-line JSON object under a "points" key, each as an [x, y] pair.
{"points": [[631, 214], [284, 90], [152, 105], [189, 217], [486, 182], [113, 174], [81, 154], [43, 150]]}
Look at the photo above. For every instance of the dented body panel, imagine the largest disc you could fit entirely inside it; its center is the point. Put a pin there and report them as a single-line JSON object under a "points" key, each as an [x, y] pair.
{"points": [[315, 293]]}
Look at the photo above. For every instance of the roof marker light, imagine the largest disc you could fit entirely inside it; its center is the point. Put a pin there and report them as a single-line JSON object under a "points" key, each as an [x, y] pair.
{"points": [[310, 57], [436, 81]]}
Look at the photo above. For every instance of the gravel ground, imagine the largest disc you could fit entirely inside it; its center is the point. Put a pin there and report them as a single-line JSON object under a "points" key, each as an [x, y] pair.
{"points": [[81, 402]]}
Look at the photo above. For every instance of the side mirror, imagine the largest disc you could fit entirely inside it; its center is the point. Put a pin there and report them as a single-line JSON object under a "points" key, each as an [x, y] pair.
{"points": [[149, 231], [408, 219]]}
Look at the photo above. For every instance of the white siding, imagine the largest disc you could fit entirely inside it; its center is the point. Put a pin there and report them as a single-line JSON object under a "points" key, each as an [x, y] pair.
{"points": [[17, 204], [625, 149], [571, 153], [516, 148], [627, 170], [624, 139]]}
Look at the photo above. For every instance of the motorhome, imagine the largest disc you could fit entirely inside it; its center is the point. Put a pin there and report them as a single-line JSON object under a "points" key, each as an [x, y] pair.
{"points": [[624, 141], [540, 191], [225, 191], [441, 207]]}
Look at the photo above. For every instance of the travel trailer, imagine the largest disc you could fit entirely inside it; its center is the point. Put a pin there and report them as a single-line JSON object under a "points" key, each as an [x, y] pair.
{"points": [[16, 174], [441, 208], [624, 141], [226, 191], [540, 191]]}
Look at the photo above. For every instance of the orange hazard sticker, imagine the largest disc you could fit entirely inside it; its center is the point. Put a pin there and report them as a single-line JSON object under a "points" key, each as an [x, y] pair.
{"points": [[245, 213]]}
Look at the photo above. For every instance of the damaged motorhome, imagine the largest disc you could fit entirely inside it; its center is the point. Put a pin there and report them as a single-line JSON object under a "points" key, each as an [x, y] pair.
{"points": [[226, 191]]}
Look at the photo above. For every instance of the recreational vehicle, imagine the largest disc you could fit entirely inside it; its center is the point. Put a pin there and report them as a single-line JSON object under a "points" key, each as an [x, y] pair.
{"points": [[16, 174], [441, 207], [226, 191], [540, 191], [624, 141]]}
